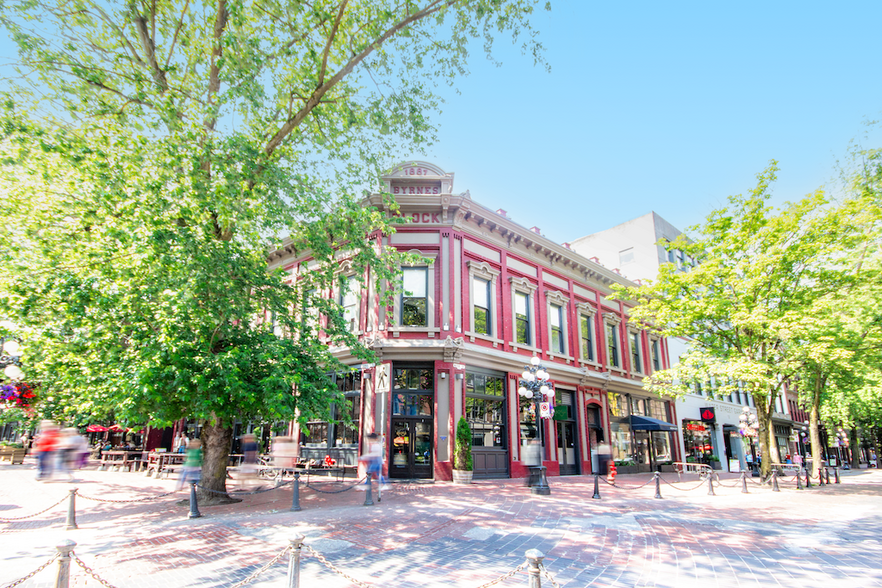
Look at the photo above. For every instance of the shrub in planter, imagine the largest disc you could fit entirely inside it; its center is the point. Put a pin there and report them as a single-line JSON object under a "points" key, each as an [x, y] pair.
{"points": [[462, 453]]}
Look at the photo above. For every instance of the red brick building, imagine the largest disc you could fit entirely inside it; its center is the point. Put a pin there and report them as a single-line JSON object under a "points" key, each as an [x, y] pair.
{"points": [[490, 296]]}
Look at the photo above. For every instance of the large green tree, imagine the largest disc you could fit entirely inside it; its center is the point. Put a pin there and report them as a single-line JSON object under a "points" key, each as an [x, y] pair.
{"points": [[758, 274], [154, 151]]}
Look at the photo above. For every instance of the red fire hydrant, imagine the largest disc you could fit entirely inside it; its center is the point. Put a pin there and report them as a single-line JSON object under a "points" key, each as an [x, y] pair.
{"points": [[611, 476]]}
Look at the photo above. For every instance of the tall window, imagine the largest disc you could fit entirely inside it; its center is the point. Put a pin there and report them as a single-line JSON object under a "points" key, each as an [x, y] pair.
{"points": [[555, 318], [481, 302], [612, 346], [414, 299], [656, 355], [349, 302], [348, 412], [485, 410], [636, 358], [586, 332], [522, 318]]}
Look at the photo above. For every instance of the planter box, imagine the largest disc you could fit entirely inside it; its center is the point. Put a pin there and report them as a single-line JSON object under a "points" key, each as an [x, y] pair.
{"points": [[462, 476], [627, 469], [666, 468], [12, 454]]}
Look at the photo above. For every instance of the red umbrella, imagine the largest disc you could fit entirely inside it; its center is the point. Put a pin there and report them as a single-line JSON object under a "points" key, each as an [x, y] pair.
{"points": [[117, 428], [96, 429]]}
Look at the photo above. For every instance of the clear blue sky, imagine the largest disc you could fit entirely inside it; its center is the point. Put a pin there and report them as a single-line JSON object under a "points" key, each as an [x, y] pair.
{"points": [[669, 107]]}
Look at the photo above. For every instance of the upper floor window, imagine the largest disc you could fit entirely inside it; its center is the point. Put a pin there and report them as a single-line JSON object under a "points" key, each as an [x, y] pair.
{"points": [[655, 351], [636, 355], [414, 299], [349, 302], [555, 319], [586, 335], [612, 345], [482, 302], [522, 319]]}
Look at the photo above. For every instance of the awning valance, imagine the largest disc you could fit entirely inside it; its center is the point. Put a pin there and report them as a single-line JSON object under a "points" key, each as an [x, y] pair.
{"points": [[643, 423]]}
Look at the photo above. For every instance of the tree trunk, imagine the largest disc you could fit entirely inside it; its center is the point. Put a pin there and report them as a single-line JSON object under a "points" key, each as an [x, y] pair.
{"points": [[854, 445], [764, 419], [216, 442], [814, 420]]}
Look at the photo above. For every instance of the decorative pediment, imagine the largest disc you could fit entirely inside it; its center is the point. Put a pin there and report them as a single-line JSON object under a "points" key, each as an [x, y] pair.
{"points": [[555, 297], [586, 309], [482, 269], [453, 349], [523, 284], [611, 318]]}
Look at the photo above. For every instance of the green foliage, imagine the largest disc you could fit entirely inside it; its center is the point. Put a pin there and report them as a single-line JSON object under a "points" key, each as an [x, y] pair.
{"points": [[462, 451], [153, 154]]}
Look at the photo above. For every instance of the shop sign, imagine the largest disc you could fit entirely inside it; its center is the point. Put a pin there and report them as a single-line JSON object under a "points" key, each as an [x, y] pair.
{"points": [[459, 366], [417, 189], [708, 414], [695, 427], [425, 218], [545, 410]]}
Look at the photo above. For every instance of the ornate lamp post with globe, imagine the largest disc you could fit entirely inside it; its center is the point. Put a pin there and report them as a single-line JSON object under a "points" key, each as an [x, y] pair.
{"points": [[534, 385], [748, 429]]}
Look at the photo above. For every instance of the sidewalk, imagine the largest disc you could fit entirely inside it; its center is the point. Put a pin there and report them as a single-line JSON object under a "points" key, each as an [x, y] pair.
{"points": [[447, 535]]}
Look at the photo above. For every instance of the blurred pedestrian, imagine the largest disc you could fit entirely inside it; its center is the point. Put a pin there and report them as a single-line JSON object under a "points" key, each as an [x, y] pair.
{"points": [[191, 471], [248, 468], [66, 448], [181, 443], [373, 460], [45, 446], [284, 452]]}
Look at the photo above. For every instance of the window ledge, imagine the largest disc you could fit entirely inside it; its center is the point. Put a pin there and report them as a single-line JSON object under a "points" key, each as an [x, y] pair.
{"points": [[430, 330], [518, 346], [483, 337], [568, 358], [588, 362]]}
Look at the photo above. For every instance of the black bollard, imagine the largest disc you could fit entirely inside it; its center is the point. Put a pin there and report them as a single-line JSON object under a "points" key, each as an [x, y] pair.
{"points": [[798, 481], [596, 487], [808, 478], [657, 485], [710, 484], [72, 511], [836, 475], [744, 483], [827, 475], [775, 481], [368, 499], [194, 506], [295, 498], [820, 476]]}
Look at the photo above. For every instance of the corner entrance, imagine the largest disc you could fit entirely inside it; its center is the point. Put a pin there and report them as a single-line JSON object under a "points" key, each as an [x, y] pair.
{"points": [[411, 449]]}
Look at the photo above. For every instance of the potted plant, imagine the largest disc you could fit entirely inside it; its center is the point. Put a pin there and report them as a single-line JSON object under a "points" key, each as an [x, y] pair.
{"points": [[462, 453], [626, 466]]}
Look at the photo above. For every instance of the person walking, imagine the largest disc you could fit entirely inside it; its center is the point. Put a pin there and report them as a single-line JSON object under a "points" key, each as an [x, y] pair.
{"points": [[191, 471], [45, 446], [181, 443], [373, 460]]}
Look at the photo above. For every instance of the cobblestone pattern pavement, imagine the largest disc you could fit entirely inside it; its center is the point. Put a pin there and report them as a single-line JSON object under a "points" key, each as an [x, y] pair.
{"points": [[434, 535]]}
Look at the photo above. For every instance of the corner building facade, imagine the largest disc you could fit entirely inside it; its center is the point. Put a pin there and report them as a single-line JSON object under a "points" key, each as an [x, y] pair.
{"points": [[490, 296]]}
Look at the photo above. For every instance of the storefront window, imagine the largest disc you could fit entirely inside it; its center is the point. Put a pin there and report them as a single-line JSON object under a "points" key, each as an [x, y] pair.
{"points": [[413, 393], [620, 441], [698, 440], [638, 406], [618, 404], [659, 410], [661, 444], [485, 410]]}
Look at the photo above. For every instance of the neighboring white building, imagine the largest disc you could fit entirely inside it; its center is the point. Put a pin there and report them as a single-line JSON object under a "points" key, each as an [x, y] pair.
{"points": [[634, 249]]}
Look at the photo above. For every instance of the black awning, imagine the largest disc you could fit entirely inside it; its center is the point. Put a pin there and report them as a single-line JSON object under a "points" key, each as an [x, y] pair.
{"points": [[642, 423]]}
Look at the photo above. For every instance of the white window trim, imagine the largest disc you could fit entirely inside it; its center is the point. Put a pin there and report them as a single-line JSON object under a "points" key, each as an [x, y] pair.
{"points": [[587, 311], [523, 286], [555, 298], [613, 320], [483, 271], [655, 342], [637, 372], [431, 329], [347, 272]]}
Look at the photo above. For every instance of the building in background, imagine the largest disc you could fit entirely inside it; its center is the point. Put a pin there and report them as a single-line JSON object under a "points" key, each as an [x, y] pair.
{"points": [[491, 295]]}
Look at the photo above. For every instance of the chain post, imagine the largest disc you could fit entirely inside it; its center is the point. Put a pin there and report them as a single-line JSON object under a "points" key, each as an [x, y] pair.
{"points": [[808, 478], [295, 498], [62, 580], [827, 475], [821, 475], [744, 482], [368, 500], [798, 480], [596, 487], [657, 485], [775, 480], [710, 485], [836, 475], [534, 558], [296, 544], [194, 505], [72, 511]]}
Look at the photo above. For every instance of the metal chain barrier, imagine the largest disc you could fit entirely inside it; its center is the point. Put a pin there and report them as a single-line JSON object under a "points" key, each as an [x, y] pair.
{"points": [[4, 520], [90, 571], [671, 484], [145, 499], [504, 577], [242, 492], [548, 575], [32, 574], [335, 569], [272, 562], [652, 479], [350, 487]]}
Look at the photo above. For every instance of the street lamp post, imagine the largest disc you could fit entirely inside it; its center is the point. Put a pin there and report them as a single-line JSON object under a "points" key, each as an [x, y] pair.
{"points": [[534, 385], [9, 359]]}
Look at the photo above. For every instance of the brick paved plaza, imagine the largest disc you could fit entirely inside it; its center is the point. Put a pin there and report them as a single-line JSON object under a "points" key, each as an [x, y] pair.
{"points": [[446, 535]]}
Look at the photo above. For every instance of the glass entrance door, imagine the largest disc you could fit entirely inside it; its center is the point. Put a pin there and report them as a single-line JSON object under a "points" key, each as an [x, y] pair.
{"points": [[411, 449], [566, 448]]}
